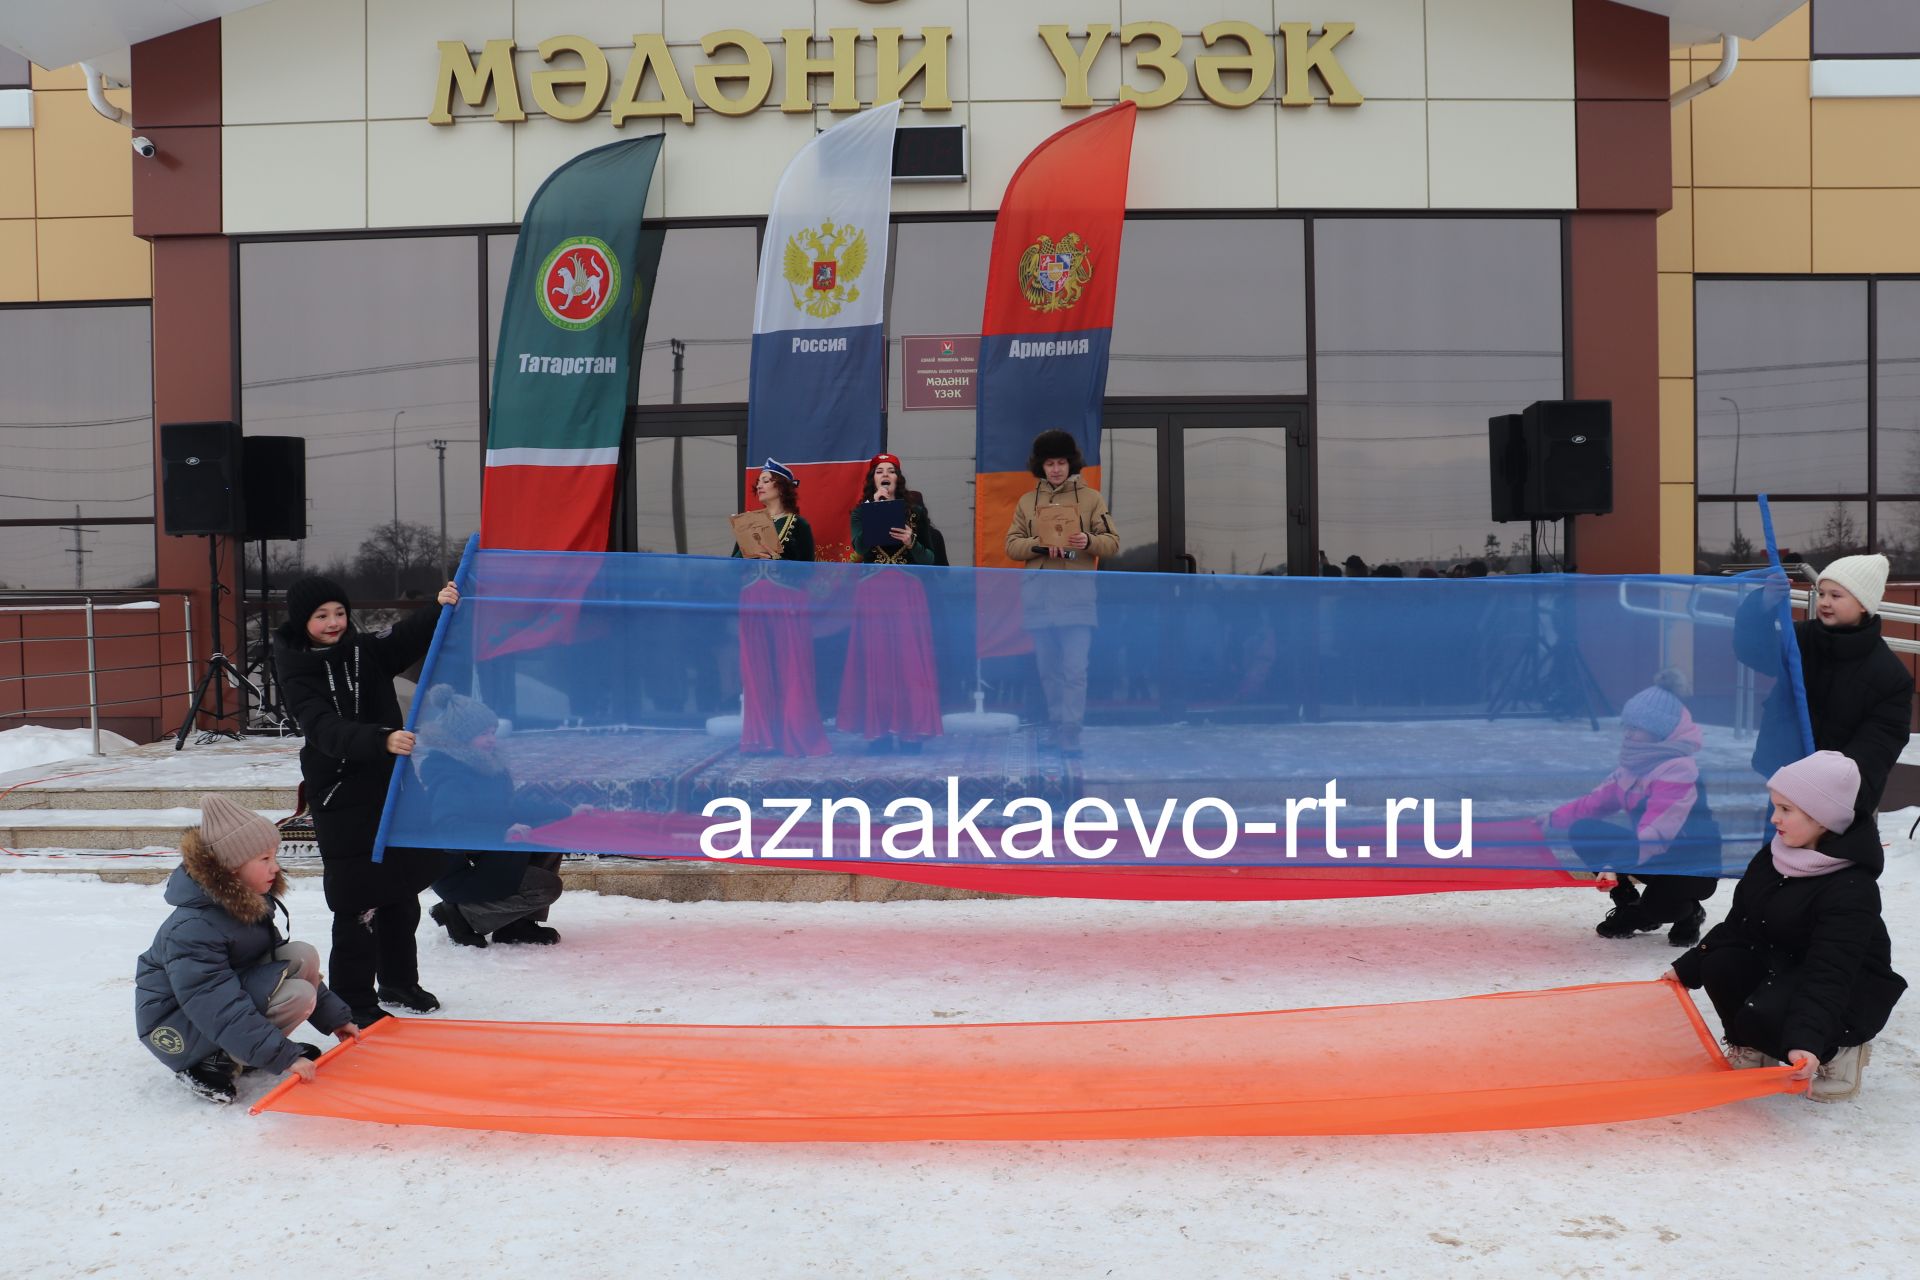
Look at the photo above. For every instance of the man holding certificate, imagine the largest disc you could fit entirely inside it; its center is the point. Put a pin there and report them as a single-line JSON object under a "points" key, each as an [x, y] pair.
{"points": [[1061, 529]]}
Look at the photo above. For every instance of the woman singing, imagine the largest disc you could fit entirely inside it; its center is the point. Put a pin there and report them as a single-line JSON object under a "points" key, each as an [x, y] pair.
{"points": [[890, 692]]}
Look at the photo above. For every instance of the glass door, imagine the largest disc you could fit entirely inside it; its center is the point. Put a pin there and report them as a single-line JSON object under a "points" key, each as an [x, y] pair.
{"points": [[1239, 490]]}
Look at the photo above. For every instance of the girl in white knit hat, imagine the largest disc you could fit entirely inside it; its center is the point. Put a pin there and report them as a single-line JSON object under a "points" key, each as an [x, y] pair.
{"points": [[220, 990], [1859, 695], [1801, 970]]}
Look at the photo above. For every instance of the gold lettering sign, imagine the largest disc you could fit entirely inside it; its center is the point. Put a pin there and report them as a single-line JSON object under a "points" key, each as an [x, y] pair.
{"points": [[737, 77]]}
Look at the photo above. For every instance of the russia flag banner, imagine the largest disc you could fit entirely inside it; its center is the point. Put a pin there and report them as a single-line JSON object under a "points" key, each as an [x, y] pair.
{"points": [[818, 391]]}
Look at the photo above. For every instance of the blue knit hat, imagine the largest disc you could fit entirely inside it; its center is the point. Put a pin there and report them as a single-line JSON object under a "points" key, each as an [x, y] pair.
{"points": [[1657, 709]]}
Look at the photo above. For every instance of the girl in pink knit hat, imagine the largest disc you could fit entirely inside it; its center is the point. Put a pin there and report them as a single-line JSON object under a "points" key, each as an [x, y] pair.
{"points": [[1801, 970]]}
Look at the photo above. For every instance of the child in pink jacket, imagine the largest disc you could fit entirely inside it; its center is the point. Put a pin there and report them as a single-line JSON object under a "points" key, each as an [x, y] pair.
{"points": [[1656, 789]]}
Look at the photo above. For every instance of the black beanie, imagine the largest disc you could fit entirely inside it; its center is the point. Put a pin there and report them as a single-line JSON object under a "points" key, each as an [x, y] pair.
{"points": [[308, 594]]}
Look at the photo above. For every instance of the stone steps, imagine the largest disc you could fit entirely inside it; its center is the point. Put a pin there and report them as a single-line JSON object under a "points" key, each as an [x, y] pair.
{"points": [[56, 797], [670, 881]]}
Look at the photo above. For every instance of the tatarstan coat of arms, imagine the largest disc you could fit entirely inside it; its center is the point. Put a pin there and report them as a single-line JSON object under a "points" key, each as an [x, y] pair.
{"points": [[821, 267], [1052, 275]]}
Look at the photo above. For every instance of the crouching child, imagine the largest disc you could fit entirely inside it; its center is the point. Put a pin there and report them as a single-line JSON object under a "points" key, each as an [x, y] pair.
{"points": [[220, 990], [1801, 969]]}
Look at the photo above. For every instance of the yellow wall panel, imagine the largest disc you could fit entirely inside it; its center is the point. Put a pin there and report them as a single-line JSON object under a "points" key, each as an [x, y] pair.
{"points": [[1752, 230], [1676, 326], [16, 261], [1866, 230], [1787, 39], [64, 78], [16, 173], [1676, 528], [1674, 232], [1866, 142], [91, 258], [83, 165], [1676, 431], [1755, 130]]}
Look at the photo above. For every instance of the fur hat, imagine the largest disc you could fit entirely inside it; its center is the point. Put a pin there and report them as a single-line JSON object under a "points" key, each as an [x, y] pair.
{"points": [[1657, 709], [453, 718], [1864, 577], [308, 594], [1824, 785], [233, 835], [1055, 443]]}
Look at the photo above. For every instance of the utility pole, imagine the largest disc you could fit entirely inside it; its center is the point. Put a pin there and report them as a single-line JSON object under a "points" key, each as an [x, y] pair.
{"points": [[80, 553], [440, 447]]}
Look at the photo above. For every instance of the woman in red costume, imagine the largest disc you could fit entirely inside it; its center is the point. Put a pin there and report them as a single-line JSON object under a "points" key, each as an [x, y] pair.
{"points": [[780, 712], [890, 692]]}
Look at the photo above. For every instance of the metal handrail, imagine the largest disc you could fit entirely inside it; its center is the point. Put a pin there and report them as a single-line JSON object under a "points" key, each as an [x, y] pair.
{"points": [[89, 605]]}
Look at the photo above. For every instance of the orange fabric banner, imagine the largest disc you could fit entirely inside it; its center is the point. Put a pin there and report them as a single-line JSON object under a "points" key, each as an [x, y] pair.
{"points": [[1516, 1060]]}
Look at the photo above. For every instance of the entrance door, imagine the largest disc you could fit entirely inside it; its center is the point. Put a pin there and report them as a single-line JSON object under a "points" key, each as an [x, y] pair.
{"points": [[1227, 492]]}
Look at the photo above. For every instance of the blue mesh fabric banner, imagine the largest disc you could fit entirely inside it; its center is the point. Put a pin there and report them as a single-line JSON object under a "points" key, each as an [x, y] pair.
{"points": [[701, 707]]}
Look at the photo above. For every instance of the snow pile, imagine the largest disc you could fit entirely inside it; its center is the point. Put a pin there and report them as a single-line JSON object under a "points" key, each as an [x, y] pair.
{"points": [[32, 745]]}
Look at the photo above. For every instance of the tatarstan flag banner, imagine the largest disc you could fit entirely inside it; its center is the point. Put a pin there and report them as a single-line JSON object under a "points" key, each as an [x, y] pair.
{"points": [[1045, 328], [569, 352], [818, 383]]}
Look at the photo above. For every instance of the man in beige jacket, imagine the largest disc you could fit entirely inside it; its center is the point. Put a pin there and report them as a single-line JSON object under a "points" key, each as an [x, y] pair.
{"points": [[1058, 602]]}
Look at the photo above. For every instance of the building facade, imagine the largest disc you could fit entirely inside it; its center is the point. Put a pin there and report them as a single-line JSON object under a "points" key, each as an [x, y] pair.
{"points": [[1352, 238]]}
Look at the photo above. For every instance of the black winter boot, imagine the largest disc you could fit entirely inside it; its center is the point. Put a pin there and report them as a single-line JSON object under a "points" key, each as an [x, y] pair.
{"points": [[367, 1016], [1624, 921], [1686, 931], [415, 998], [527, 930], [211, 1078], [450, 918]]}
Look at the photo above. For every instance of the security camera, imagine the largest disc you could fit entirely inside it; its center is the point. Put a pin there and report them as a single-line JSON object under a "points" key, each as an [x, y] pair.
{"points": [[144, 148]]}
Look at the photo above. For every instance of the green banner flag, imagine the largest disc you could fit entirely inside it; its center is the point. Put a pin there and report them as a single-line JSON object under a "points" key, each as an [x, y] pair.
{"points": [[568, 356]]}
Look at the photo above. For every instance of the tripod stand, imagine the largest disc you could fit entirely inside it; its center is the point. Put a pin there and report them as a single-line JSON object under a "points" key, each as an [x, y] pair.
{"points": [[218, 665], [1551, 674]]}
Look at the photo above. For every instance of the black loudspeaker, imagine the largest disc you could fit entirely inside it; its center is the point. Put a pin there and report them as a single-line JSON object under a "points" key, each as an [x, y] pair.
{"points": [[1507, 467], [200, 477], [274, 478], [1569, 458]]}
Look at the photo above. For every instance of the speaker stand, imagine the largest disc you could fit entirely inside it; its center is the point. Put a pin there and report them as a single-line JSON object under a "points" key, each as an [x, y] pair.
{"points": [[218, 666]]}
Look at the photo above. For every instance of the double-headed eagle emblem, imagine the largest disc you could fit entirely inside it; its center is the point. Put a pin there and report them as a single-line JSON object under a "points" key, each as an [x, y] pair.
{"points": [[821, 266], [1053, 275]]}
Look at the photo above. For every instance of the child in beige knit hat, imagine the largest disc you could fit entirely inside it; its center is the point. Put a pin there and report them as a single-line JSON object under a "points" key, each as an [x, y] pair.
{"points": [[220, 989]]}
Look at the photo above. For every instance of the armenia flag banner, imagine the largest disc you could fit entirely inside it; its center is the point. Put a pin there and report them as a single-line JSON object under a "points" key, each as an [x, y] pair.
{"points": [[569, 352], [818, 388], [1046, 326]]}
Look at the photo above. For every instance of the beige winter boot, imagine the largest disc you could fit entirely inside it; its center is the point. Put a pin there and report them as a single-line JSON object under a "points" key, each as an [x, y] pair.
{"points": [[1839, 1076]]}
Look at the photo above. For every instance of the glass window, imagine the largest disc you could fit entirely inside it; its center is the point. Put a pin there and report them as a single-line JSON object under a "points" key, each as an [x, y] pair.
{"points": [[1780, 387], [939, 286], [703, 299], [686, 486], [76, 444], [1241, 328], [1729, 532], [368, 349], [499, 271], [1869, 28], [1897, 386], [1426, 328]]}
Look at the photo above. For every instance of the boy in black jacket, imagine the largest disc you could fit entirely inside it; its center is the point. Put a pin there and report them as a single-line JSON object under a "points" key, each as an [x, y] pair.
{"points": [[338, 683], [1801, 969]]}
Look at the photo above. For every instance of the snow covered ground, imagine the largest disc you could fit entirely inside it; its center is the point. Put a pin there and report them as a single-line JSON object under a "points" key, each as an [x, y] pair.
{"points": [[111, 1168]]}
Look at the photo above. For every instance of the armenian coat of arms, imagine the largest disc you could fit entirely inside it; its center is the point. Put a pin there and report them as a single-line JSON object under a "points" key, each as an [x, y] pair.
{"points": [[821, 266], [1053, 275]]}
